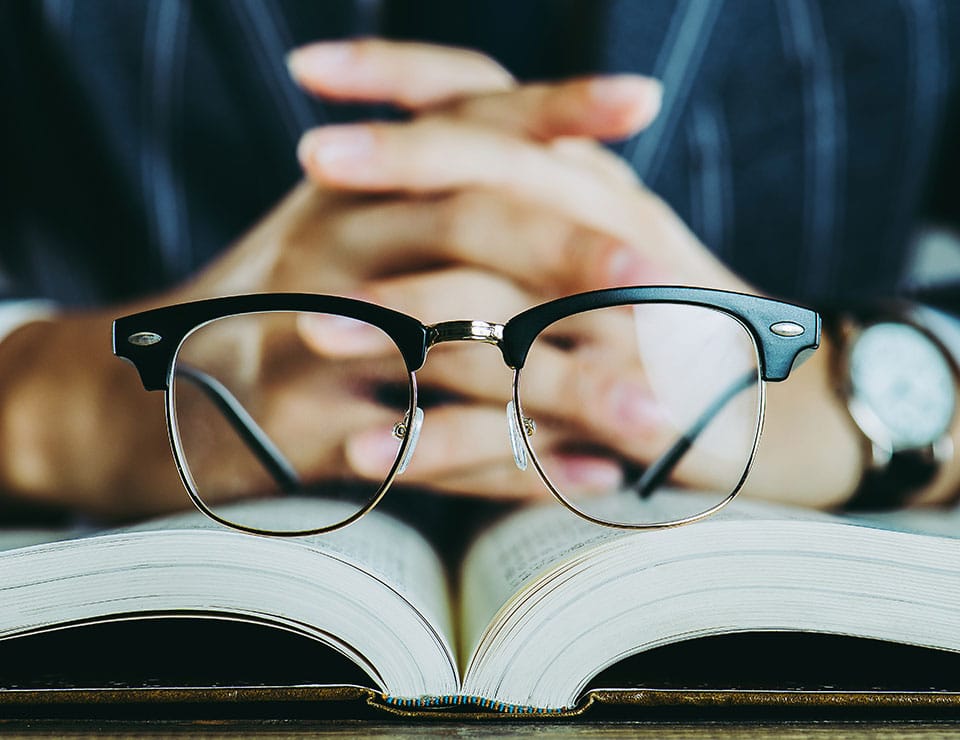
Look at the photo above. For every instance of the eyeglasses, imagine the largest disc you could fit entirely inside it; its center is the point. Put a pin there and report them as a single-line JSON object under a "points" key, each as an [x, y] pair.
{"points": [[253, 411]]}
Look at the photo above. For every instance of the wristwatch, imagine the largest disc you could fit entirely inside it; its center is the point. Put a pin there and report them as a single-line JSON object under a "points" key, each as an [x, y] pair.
{"points": [[899, 384]]}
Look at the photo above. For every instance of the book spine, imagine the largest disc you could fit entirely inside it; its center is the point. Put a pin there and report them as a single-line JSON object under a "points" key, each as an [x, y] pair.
{"points": [[463, 701]]}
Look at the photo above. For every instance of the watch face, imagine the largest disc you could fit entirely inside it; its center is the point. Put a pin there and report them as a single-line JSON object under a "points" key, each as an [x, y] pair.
{"points": [[902, 382]]}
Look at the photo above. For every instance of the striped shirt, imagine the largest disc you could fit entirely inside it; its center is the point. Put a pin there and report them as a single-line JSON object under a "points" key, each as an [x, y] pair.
{"points": [[804, 141]]}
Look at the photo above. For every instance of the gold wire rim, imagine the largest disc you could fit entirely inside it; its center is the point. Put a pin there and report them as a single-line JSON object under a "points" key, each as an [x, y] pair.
{"points": [[652, 526], [186, 477], [190, 485]]}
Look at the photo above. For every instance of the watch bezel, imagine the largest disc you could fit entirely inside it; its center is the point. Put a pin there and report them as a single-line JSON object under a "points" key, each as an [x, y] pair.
{"points": [[879, 435], [890, 477]]}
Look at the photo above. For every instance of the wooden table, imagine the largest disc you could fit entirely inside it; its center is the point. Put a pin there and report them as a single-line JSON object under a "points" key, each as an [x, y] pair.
{"points": [[415, 730]]}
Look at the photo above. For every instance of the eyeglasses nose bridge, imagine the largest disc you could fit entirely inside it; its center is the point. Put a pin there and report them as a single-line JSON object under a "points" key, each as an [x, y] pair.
{"points": [[465, 331], [489, 333]]}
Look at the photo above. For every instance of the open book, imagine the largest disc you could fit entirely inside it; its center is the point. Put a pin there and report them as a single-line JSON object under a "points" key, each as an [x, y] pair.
{"points": [[545, 603]]}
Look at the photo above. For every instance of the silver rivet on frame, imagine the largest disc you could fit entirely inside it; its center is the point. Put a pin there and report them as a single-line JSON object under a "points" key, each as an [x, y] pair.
{"points": [[787, 329], [144, 338]]}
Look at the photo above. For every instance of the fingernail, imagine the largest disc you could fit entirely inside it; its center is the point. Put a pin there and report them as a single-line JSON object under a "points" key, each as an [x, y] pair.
{"points": [[654, 98], [632, 408], [317, 60], [340, 335], [336, 151], [591, 474], [627, 267], [373, 452], [620, 90], [614, 89]]}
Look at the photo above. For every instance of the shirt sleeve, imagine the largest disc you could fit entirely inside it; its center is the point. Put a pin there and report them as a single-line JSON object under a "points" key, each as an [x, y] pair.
{"points": [[16, 313]]}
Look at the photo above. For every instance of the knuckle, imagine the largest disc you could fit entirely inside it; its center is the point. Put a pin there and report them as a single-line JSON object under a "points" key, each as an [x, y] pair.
{"points": [[381, 133], [571, 248], [462, 217], [603, 254], [565, 254], [431, 128], [341, 228], [520, 158], [587, 388], [558, 255], [592, 388], [575, 387]]}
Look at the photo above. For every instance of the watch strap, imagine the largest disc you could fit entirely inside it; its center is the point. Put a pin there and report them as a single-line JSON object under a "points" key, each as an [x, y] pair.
{"points": [[893, 485]]}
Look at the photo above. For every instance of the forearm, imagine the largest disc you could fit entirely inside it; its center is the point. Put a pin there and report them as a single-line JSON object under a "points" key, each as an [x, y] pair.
{"points": [[76, 429]]}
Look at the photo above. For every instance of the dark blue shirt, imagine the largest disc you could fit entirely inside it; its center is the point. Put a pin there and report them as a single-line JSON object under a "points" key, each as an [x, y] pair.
{"points": [[804, 141]]}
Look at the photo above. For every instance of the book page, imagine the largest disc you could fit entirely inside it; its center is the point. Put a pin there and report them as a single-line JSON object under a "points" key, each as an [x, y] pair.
{"points": [[396, 553], [375, 591], [752, 567], [933, 521], [511, 553], [12, 539], [514, 552]]}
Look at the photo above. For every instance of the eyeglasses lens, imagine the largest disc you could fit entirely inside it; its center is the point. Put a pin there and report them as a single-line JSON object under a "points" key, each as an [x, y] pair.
{"points": [[262, 407], [661, 412]]}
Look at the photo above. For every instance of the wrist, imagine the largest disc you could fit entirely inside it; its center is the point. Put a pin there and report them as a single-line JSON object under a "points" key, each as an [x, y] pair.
{"points": [[810, 452], [72, 428]]}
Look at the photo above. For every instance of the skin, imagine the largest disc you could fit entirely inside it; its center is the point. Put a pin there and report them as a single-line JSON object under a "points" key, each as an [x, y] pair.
{"points": [[492, 197], [438, 152]]}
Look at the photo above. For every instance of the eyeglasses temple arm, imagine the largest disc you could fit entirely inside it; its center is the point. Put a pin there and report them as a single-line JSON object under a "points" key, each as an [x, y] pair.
{"points": [[245, 426], [659, 470]]}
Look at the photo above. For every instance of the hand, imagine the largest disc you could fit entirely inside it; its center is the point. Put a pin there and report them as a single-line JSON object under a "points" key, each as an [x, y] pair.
{"points": [[517, 125], [500, 158], [107, 452], [499, 142], [110, 456], [363, 238]]}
